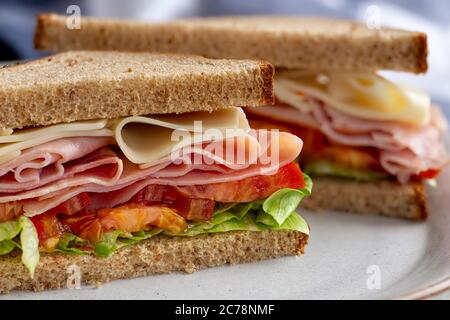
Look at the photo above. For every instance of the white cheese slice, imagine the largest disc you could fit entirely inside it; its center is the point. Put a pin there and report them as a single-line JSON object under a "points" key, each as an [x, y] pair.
{"points": [[26, 138], [142, 139], [147, 139]]}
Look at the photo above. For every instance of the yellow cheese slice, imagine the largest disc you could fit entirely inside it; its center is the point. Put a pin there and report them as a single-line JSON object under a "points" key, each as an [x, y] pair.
{"points": [[364, 95]]}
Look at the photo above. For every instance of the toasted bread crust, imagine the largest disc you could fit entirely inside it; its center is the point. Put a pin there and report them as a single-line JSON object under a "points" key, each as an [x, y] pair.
{"points": [[83, 85], [289, 42], [156, 255], [387, 197], [422, 53]]}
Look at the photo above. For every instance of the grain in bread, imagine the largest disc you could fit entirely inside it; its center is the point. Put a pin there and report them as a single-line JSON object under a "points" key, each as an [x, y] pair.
{"points": [[291, 42], [387, 197], [83, 85], [156, 255]]}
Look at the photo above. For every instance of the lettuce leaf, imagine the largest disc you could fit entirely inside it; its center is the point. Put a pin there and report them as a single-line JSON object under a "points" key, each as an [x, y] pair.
{"points": [[284, 202], [327, 168], [29, 242], [277, 212], [6, 246], [70, 243], [113, 240], [293, 222], [9, 230]]}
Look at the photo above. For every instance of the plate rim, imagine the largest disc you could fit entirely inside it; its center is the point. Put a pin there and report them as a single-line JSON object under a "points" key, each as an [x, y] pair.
{"points": [[427, 291]]}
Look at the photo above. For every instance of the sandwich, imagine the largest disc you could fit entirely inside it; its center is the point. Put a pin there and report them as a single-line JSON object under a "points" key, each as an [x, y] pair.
{"points": [[121, 165], [370, 145]]}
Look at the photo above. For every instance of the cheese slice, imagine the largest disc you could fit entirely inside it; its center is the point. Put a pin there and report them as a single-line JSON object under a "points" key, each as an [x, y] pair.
{"points": [[11, 145], [142, 139], [364, 95], [147, 139]]}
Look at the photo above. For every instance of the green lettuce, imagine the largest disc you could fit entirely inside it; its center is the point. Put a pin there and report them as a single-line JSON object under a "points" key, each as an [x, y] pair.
{"points": [[113, 240], [29, 242], [6, 246], [327, 168], [284, 202], [277, 212], [22, 228], [70, 243], [8, 231]]}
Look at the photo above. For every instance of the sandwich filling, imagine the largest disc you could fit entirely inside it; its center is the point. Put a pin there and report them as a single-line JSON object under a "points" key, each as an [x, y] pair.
{"points": [[92, 187], [358, 125]]}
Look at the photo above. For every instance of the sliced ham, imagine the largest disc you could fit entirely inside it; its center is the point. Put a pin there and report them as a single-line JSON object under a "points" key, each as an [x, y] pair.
{"points": [[134, 178], [405, 150], [49, 162], [102, 167]]}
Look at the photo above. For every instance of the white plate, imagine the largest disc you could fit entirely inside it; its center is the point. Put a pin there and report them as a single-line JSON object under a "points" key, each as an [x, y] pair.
{"points": [[413, 261]]}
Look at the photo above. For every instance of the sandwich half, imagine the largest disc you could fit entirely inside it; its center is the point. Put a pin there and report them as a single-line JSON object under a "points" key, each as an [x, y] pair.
{"points": [[370, 145], [128, 164]]}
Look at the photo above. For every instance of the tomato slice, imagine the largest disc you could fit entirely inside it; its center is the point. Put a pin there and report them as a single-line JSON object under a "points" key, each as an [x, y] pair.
{"points": [[197, 202], [313, 139], [10, 210], [165, 207], [136, 217], [188, 208], [129, 218], [429, 174], [73, 205], [249, 189], [47, 226], [83, 224], [366, 159]]}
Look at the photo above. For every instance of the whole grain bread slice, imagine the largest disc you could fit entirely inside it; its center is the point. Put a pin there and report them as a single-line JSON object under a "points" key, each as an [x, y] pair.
{"points": [[156, 255], [387, 197], [84, 85], [287, 41]]}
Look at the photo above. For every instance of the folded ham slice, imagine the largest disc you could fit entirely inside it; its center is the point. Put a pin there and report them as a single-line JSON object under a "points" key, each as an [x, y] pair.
{"points": [[49, 162], [405, 150], [261, 154]]}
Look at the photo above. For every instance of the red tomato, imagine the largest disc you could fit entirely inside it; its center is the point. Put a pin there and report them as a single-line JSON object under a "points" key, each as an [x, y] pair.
{"points": [[47, 226], [73, 205], [83, 224], [10, 210], [129, 217], [429, 174], [188, 208], [249, 189]]}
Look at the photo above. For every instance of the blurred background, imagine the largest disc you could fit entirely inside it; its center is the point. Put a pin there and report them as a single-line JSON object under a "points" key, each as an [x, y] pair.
{"points": [[17, 20]]}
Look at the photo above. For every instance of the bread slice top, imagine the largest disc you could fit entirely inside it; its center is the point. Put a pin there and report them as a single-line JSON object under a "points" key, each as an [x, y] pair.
{"points": [[84, 85], [311, 43]]}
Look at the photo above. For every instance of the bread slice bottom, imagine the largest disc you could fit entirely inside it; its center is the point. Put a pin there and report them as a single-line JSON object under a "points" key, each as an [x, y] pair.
{"points": [[160, 254], [387, 197]]}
